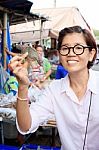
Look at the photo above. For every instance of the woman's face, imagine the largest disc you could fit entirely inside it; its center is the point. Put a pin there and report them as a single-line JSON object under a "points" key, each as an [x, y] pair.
{"points": [[73, 62], [40, 51]]}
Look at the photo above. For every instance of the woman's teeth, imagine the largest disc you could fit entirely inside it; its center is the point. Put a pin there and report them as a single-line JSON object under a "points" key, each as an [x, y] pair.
{"points": [[72, 61]]}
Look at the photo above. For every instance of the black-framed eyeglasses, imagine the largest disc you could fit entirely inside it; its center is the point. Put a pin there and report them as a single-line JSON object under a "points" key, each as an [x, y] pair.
{"points": [[78, 49]]}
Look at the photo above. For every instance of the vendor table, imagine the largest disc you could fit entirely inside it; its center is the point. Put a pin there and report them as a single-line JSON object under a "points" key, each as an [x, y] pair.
{"points": [[8, 115]]}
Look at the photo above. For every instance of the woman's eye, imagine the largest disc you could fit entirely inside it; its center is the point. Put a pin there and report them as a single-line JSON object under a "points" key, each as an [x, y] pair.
{"points": [[78, 47], [64, 48]]}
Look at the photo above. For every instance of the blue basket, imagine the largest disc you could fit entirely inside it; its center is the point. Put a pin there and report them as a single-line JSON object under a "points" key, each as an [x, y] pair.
{"points": [[36, 147], [6, 147], [29, 147], [45, 148], [55, 148]]}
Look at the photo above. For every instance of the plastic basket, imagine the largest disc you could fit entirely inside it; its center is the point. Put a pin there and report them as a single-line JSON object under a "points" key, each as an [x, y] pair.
{"points": [[55, 148], [36, 147], [45, 148], [6, 147], [29, 147]]}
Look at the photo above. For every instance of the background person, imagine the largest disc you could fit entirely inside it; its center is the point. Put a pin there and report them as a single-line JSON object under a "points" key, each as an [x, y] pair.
{"points": [[73, 100], [40, 73], [44, 62]]}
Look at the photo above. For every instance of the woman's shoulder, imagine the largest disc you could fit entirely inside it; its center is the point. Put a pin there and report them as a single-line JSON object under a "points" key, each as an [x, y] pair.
{"points": [[94, 72], [94, 76]]}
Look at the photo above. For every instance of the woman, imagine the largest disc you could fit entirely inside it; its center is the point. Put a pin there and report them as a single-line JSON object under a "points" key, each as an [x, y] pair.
{"points": [[73, 100]]}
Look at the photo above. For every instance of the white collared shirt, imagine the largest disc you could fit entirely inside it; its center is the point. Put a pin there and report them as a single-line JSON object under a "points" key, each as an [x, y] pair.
{"points": [[70, 114]]}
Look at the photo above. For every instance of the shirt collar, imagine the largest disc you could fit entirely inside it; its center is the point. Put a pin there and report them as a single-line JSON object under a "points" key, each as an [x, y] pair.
{"points": [[92, 82], [65, 84]]}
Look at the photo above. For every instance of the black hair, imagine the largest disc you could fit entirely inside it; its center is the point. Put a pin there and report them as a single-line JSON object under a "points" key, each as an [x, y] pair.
{"points": [[38, 46]]}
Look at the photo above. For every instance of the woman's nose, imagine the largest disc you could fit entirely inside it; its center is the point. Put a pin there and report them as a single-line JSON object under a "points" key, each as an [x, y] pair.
{"points": [[71, 51]]}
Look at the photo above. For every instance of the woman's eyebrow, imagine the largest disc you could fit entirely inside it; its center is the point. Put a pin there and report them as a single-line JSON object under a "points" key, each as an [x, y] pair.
{"points": [[67, 44]]}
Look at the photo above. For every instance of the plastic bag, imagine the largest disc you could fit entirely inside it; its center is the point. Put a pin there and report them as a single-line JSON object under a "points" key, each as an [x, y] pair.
{"points": [[34, 93], [11, 85]]}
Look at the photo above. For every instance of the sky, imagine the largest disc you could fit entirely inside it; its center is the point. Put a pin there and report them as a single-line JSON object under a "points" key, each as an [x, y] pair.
{"points": [[88, 8]]}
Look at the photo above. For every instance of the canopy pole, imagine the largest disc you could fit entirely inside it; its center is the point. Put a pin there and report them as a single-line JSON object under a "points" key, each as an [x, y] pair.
{"points": [[4, 38], [41, 31]]}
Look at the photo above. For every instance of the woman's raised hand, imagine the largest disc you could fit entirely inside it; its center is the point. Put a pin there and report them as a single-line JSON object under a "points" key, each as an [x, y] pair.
{"points": [[18, 65]]}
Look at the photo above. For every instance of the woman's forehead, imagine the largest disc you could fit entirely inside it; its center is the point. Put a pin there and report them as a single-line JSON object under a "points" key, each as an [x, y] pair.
{"points": [[74, 38], [39, 49]]}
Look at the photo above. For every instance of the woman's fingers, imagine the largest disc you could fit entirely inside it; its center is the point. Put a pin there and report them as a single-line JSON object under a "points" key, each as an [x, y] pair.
{"points": [[17, 70], [13, 65], [21, 75], [19, 58], [18, 65], [18, 61], [23, 60]]}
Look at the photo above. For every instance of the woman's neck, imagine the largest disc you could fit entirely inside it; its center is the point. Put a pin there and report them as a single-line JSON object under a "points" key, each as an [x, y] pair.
{"points": [[78, 82]]}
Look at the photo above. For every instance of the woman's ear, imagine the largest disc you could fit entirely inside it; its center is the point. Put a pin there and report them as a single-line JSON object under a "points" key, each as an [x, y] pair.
{"points": [[92, 54]]}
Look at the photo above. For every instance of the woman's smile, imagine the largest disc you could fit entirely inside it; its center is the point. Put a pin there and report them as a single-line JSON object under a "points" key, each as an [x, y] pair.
{"points": [[72, 62]]}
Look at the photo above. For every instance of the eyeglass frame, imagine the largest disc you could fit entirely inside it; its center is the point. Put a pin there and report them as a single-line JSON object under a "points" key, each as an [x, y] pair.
{"points": [[69, 47]]}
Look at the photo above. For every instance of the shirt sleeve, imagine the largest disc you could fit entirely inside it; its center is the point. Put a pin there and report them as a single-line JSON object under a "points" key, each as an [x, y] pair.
{"points": [[47, 65], [41, 111]]}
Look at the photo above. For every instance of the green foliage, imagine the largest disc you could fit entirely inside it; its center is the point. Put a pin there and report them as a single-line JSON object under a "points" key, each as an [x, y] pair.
{"points": [[96, 32]]}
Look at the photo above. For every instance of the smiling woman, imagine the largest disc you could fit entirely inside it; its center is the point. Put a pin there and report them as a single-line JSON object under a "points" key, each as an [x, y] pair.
{"points": [[73, 100]]}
